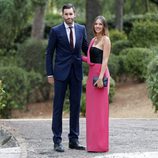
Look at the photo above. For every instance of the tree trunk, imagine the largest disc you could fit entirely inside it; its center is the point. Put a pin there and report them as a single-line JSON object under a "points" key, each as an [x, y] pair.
{"points": [[146, 6], [119, 14], [38, 23], [93, 9]]}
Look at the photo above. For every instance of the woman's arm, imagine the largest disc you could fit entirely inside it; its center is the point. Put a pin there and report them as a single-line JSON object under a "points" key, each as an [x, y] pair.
{"points": [[106, 53]]}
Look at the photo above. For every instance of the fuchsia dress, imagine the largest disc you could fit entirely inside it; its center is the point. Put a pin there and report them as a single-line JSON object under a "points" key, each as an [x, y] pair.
{"points": [[97, 107]]}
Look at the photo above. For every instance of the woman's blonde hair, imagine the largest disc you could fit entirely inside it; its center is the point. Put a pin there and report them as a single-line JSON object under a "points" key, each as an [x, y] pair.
{"points": [[105, 25]]}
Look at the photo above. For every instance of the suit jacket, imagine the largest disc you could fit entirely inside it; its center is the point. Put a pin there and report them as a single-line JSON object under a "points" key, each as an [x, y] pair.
{"points": [[65, 56]]}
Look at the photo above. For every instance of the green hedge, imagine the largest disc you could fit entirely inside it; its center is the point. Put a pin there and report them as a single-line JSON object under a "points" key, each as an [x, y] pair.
{"points": [[114, 66], [116, 35], [112, 89], [18, 85], [152, 82], [119, 45], [2, 98], [144, 34], [135, 61], [32, 52]]}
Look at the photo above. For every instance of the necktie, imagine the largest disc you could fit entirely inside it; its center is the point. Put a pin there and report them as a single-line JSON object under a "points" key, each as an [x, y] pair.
{"points": [[71, 38]]}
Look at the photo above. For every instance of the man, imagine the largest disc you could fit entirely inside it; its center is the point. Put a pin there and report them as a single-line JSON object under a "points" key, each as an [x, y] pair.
{"points": [[68, 39]]}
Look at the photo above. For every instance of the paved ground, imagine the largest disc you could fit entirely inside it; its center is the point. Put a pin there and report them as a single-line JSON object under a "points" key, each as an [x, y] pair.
{"points": [[129, 138]]}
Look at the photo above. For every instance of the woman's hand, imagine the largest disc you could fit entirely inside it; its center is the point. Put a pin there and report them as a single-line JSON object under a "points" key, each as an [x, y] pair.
{"points": [[84, 58], [99, 83]]}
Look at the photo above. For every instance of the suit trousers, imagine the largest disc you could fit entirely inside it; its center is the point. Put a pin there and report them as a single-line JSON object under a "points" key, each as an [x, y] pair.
{"points": [[60, 87]]}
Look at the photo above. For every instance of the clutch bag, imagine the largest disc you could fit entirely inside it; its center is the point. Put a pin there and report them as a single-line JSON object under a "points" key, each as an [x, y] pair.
{"points": [[105, 81]]}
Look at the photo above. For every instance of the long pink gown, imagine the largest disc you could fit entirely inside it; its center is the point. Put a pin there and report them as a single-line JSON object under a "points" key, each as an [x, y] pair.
{"points": [[97, 109]]}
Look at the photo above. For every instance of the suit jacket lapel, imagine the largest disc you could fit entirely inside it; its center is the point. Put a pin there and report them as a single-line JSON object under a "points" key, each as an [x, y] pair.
{"points": [[65, 34], [76, 34]]}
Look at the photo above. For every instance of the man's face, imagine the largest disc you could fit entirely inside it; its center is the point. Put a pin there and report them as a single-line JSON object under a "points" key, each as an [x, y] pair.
{"points": [[68, 16]]}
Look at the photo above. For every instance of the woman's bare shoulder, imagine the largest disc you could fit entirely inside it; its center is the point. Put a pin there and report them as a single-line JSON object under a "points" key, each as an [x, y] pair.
{"points": [[106, 39]]}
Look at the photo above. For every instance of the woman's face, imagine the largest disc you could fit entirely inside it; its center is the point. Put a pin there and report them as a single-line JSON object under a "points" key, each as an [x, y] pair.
{"points": [[98, 26]]}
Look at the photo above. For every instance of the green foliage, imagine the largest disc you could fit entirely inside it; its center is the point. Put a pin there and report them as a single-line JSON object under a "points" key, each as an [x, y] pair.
{"points": [[113, 66], [141, 17], [83, 104], [135, 62], [84, 82], [14, 15], [154, 49], [35, 81], [53, 19], [9, 58], [39, 2], [139, 7], [2, 97], [112, 89], [152, 82], [85, 68], [32, 52], [116, 35], [18, 85], [144, 34], [3, 101], [15, 84], [119, 45]]}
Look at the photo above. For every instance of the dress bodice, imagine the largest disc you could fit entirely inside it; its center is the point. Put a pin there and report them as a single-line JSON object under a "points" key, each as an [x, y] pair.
{"points": [[96, 55]]}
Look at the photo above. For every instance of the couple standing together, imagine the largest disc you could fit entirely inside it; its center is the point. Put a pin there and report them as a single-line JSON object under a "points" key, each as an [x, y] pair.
{"points": [[68, 40]]}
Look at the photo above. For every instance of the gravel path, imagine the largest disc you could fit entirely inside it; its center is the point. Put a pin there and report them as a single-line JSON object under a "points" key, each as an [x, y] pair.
{"points": [[137, 137]]}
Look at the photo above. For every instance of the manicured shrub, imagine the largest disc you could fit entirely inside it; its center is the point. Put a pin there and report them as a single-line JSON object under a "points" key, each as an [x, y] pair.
{"points": [[129, 20], [3, 97], [144, 34], [2, 93], [118, 46], [33, 54], [116, 35], [112, 89], [135, 62], [152, 82], [15, 84], [18, 85], [113, 66]]}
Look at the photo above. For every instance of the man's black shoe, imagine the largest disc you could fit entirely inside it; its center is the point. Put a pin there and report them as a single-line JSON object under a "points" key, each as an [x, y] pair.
{"points": [[58, 147], [76, 146]]}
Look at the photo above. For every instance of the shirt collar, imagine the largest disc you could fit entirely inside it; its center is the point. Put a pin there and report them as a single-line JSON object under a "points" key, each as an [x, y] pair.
{"points": [[67, 26]]}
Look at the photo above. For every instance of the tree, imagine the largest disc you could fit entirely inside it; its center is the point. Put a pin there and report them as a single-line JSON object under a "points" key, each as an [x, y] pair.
{"points": [[119, 14], [38, 21], [13, 17], [93, 9], [154, 1]]}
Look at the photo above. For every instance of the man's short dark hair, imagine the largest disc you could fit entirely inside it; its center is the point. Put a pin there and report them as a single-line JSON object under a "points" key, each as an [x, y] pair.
{"points": [[68, 6]]}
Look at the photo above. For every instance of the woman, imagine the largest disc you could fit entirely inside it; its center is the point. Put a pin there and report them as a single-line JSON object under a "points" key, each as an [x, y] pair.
{"points": [[97, 105]]}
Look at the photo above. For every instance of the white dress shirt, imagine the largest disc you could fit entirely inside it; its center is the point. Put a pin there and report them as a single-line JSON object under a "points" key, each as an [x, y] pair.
{"points": [[68, 32]]}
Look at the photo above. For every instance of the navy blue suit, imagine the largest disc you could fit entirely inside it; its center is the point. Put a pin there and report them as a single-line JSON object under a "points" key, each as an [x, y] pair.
{"points": [[66, 68]]}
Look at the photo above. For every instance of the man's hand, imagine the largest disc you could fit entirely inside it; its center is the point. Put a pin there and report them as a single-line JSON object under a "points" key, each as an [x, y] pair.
{"points": [[50, 79]]}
